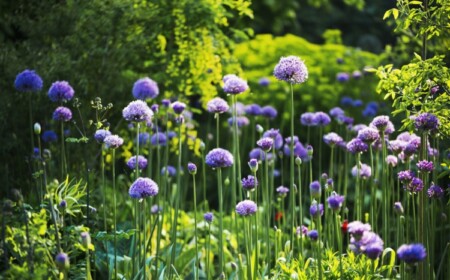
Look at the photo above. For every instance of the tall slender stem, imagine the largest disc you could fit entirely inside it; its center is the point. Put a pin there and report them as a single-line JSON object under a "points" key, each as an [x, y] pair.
{"points": [[52, 209], [267, 210], [300, 205], [208, 245], [219, 183], [195, 229], [63, 154], [115, 210], [291, 172], [105, 224]]}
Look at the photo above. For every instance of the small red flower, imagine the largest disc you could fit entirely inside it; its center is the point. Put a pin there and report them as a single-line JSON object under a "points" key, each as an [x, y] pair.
{"points": [[278, 216], [344, 226]]}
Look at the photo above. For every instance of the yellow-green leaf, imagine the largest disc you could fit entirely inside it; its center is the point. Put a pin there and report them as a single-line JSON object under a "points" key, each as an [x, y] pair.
{"points": [[395, 13]]}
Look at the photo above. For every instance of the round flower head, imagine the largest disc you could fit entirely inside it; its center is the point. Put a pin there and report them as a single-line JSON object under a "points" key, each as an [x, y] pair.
{"points": [[165, 103], [253, 110], [249, 183], [364, 171], [425, 166], [370, 244], [235, 85], [49, 136], [368, 135], [142, 188], [391, 160], [435, 192], [316, 210], [137, 111], [411, 253], [246, 208], [265, 143], [356, 74], [253, 164], [145, 88], [335, 201], [336, 112], [264, 82], [321, 119], [342, 77], [307, 119], [299, 151], [62, 261], [208, 217], [313, 234], [380, 123], [396, 146], [405, 176], [28, 81], [60, 91], [229, 76], [303, 230], [158, 139], [426, 122], [142, 162], [178, 107], [291, 69], [85, 239], [101, 134], [357, 103], [63, 203], [356, 229], [218, 158], [416, 185], [276, 136], [256, 154], [346, 101], [155, 209], [357, 127], [143, 138], [282, 191], [269, 112], [332, 139], [315, 189], [241, 121], [113, 141], [62, 114], [398, 208], [155, 108], [369, 112], [169, 171], [356, 145], [217, 105]]}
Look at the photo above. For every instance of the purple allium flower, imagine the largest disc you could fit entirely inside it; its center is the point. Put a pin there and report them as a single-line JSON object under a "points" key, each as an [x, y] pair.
{"points": [[435, 191], [405, 176], [291, 69], [143, 138], [241, 121], [288, 139], [398, 208], [356, 145], [303, 230], [192, 168], [62, 114], [369, 112], [335, 201], [411, 253], [101, 134], [253, 164], [113, 141], [369, 243], [329, 184], [246, 208], [178, 107], [365, 171], [434, 90], [321, 119], [165, 103], [229, 76], [332, 139], [276, 136], [234, 85], [307, 119], [342, 77], [137, 111], [316, 210], [60, 91], [356, 74], [155, 209], [63, 203], [208, 217], [299, 151], [265, 143], [159, 139], [256, 154], [426, 122], [368, 135], [348, 121], [264, 82], [28, 81], [62, 261], [142, 188], [358, 127], [432, 152], [380, 123], [315, 189], [217, 105], [145, 88], [356, 229], [313, 234], [336, 112], [396, 146], [282, 191], [406, 136], [269, 112], [253, 110], [374, 250], [142, 162], [155, 108], [49, 136], [416, 185], [249, 183], [346, 101], [425, 166], [391, 160], [357, 103], [170, 170], [218, 158]]}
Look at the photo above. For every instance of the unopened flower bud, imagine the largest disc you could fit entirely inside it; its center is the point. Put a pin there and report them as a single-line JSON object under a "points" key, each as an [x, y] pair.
{"points": [[37, 129], [85, 239], [298, 161]]}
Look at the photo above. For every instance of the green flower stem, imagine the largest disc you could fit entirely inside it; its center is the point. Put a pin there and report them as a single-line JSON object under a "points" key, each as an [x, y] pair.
{"points": [[385, 190], [357, 186], [422, 232], [205, 202], [143, 244], [219, 183], [319, 251], [30, 115], [115, 210], [300, 205], [52, 209], [238, 157], [88, 265], [208, 249], [372, 191], [63, 154], [195, 229], [292, 173], [247, 249], [320, 149], [217, 117], [339, 242], [137, 212], [266, 208], [41, 194]]}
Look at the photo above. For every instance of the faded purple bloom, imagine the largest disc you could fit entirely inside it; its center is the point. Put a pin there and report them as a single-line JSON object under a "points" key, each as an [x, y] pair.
{"points": [[264, 82], [249, 183], [85, 239], [356, 74], [159, 139], [155, 209], [62, 261], [137, 111], [217, 105], [435, 191], [391, 160], [142, 162], [28, 81], [316, 210], [411, 253], [113, 141], [332, 139], [253, 110], [62, 114], [307, 119], [313, 234], [416, 185], [336, 112], [357, 103], [246, 208], [169, 171], [49, 136], [265, 143], [346, 101], [396, 146], [364, 171], [302, 230], [269, 112], [369, 243], [358, 127], [208, 217], [405, 176], [276, 136], [165, 103], [143, 138], [282, 191], [380, 122], [434, 90], [291, 69], [60, 91], [342, 119], [315, 189], [356, 145], [101, 134], [192, 168], [335, 201], [178, 107], [356, 229], [229, 76], [342, 77], [288, 139], [368, 135], [426, 122], [425, 166], [398, 208], [256, 154], [142, 188], [412, 147], [406, 136], [321, 119], [218, 158], [241, 121], [145, 88], [234, 85], [299, 151], [432, 152]]}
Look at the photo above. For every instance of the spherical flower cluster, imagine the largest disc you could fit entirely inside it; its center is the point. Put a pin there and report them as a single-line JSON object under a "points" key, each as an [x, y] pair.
{"points": [[299, 150], [253, 164], [425, 166], [357, 127], [192, 168], [369, 244], [365, 171], [28, 81], [356, 74], [234, 85], [335, 201], [101, 134], [336, 112], [321, 119], [411, 253], [253, 110], [282, 191], [264, 81], [241, 121], [113, 141], [137, 111], [269, 112], [145, 88], [368, 135], [85, 239], [416, 185], [155, 209], [49, 136], [303, 230], [178, 107], [246, 208], [332, 139], [391, 160], [342, 77], [158, 139], [218, 158], [291, 69], [356, 229], [356, 145], [276, 136], [249, 183], [316, 210], [307, 119], [169, 171], [217, 106], [165, 103], [142, 162], [383, 124], [60, 91], [143, 138], [208, 217], [405, 176], [62, 114], [435, 191], [142, 188], [265, 143], [426, 122], [62, 261], [396, 146], [315, 189], [155, 108], [313, 234]]}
